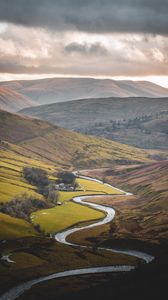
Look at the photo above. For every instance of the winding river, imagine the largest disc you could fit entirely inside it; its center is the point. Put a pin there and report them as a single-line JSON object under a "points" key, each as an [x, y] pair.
{"points": [[61, 237]]}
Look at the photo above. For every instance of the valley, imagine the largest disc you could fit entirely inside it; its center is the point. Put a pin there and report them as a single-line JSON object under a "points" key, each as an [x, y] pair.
{"points": [[18, 291], [136, 121], [34, 213], [83, 150], [52, 90]]}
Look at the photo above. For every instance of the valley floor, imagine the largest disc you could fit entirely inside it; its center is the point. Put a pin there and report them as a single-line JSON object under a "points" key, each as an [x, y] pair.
{"points": [[132, 228]]}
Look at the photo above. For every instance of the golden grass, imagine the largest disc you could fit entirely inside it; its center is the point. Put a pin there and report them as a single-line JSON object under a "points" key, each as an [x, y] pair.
{"points": [[88, 185], [16, 181], [12, 182], [59, 147], [12, 228], [55, 219], [10, 172], [9, 190], [66, 196]]}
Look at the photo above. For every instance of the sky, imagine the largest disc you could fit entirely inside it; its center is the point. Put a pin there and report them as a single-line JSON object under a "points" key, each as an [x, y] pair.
{"points": [[122, 39]]}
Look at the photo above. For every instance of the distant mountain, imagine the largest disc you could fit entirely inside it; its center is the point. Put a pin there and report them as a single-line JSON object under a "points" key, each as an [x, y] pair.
{"points": [[140, 122], [57, 146], [12, 100], [52, 90]]}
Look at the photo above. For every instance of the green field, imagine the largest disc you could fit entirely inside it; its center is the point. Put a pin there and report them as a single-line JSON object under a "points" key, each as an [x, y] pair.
{"points": [[12, 183], [89, 185], [64, 216], [68, 214]]}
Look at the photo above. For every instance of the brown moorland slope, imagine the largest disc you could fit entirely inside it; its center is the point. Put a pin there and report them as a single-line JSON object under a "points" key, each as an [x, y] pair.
{"points": [[137, 121], [57, 145], [12, 100], [142, 216], [50, 90]]}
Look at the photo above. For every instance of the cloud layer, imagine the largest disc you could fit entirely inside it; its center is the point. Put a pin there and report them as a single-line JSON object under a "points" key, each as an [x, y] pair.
{"points": [[40, 51], [139, 16], [86, 49], [84, 38]]}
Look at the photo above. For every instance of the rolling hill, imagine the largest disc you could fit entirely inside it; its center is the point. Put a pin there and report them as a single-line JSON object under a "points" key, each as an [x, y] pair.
{"points": [[26, 141], [58, 146], [35, 143], [142, 216], [51, 90], [141, 122], [12, 100]]}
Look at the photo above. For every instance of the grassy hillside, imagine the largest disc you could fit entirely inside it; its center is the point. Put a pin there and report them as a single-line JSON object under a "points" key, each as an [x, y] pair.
{"points": [[51, 90], [25, 135], [142, 216], [12, 100], [86, 112], [60, 147], [30, 142], [14, 228], [13, 158], [12, 183], [140, 122], [147, 132]]}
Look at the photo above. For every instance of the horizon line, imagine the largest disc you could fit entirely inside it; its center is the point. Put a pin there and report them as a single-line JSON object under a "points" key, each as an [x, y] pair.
{"points": [[158, 80]]}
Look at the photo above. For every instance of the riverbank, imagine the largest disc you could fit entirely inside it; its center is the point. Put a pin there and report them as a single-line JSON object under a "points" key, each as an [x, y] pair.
{"points": [[61, 237]]}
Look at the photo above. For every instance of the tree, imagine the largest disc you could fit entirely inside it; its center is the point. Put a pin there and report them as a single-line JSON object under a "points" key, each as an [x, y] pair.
{"points": [[36, 176], [66, 177], [23, 205], [52, 193]]}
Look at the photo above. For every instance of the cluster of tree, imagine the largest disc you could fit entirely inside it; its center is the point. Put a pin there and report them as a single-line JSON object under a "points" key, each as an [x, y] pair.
{"points": [[50, 192], [143, 118], [36, 176], [66, 177], [130, 123], [100, 128], [39, 177], [22, 206]]}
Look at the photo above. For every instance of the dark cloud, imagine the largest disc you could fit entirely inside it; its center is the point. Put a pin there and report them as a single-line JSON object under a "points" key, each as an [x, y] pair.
{"points": [[25, 50], [86, 49], [147, 16]]}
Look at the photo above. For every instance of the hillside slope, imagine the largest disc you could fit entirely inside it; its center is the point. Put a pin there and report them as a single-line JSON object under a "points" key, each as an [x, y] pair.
{"points": [[51, 90], [85, 112], [62, 147], [142, 216], [141, 122], [12, 100], [34, 143]]}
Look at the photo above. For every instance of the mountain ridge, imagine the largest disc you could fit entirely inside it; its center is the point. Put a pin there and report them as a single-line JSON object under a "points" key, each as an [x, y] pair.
{"points": [[52, 90]]}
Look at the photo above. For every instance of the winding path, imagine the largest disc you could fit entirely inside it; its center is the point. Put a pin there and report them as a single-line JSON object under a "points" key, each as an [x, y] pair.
{"points": [[61, 237]]}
